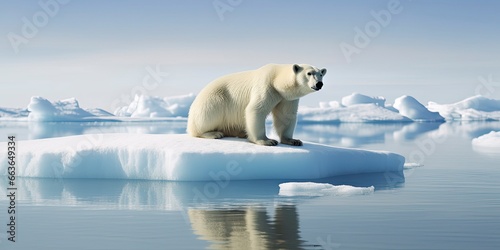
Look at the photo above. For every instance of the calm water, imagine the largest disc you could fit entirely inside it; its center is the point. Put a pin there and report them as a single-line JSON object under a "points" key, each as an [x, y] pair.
{"points": [[451, 202]]}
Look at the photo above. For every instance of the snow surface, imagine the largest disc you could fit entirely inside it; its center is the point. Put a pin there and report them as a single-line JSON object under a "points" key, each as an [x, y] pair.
{"points": [[321, 189], [150, 106], [184, 158], [475, 108], [488, 142], [411, 108]]}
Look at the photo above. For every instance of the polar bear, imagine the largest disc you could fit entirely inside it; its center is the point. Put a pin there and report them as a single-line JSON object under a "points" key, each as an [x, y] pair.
{"points": [[237, 105]]}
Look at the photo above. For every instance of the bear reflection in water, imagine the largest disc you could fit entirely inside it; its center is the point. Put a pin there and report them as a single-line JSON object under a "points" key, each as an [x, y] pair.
{"points": [[248, 228]]}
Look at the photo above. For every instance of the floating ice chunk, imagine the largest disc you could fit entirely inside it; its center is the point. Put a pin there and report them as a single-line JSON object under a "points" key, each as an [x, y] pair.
{"points": [[356, 98], [410, 165], [411, 108], [151, 106], [355, 113], [13, 113], [321, 189], [473, 108], [330, 104], [42, 109], [184, 158], [99, 112], [489, 142]]}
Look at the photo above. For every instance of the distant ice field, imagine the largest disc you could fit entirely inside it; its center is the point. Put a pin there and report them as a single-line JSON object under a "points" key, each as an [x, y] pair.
{"points": [[352, 108]]}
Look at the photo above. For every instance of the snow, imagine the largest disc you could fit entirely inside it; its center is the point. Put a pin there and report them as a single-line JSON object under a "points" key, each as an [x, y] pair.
{"points": [[180, 157], [321, 189], [475, 108], [488, 142], [356, 98], [411, 108], [149, 106]]}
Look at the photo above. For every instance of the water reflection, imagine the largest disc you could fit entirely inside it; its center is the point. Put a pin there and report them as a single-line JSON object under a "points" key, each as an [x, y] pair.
{"points": [[414, 130], [346, 134], [248, 228], [174, 196], [469, 130], [241, 215], [360, 134]]}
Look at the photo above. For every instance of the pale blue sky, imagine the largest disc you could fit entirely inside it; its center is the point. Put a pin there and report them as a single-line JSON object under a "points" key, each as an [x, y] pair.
{"points": [[100, 51]]}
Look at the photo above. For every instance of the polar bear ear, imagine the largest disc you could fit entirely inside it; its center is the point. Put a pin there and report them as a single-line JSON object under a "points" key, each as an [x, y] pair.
{"points": [[323, 71], [296, 68]]}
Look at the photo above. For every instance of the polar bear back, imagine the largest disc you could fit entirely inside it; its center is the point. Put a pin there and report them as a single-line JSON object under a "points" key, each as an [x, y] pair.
{"points": [[221, 104], [237, 104]]}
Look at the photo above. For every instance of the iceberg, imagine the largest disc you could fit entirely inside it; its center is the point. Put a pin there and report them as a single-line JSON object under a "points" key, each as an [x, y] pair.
{"points": [[13, 113], [179, 157], [41, 109], [150, 106], [354, 108], [411, 108], [354, 113], [475, 108], [356, 98]]}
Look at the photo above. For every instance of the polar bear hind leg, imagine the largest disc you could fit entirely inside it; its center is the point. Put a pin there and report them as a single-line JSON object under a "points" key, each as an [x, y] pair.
{"points": [[212, 135]]}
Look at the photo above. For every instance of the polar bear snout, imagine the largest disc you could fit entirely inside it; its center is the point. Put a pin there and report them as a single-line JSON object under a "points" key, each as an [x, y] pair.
{"points": [[318, 86]]}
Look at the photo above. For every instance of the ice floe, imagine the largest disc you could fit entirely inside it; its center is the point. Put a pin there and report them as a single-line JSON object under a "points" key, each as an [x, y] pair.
{"points": [[180, 157], [321, 189], [489, 142]]}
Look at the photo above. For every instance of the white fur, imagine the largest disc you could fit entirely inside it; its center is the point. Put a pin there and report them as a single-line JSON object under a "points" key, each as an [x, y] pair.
{"points": [[237, 104]]}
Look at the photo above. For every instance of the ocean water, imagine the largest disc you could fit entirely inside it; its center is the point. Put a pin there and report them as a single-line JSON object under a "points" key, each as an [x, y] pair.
{"points": [[448, 199]]}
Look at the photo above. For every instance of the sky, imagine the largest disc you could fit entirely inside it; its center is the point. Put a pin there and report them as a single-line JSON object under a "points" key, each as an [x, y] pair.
{"points": [[104, 52]]}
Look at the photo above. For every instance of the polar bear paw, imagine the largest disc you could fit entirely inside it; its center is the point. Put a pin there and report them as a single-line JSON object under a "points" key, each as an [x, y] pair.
{"points": [[268, 142], [212, 135], [293, 142]]}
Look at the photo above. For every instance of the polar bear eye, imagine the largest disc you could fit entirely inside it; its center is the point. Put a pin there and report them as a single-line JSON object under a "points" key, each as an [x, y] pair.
{"points": [[309, 73]]}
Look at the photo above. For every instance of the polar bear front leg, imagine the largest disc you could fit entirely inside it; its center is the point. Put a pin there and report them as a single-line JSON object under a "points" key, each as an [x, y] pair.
{"points": [[255, 118], [284, 120]]}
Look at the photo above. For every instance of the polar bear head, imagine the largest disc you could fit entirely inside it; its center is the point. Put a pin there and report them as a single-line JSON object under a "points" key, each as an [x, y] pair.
{"points": [[308, 78]]}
